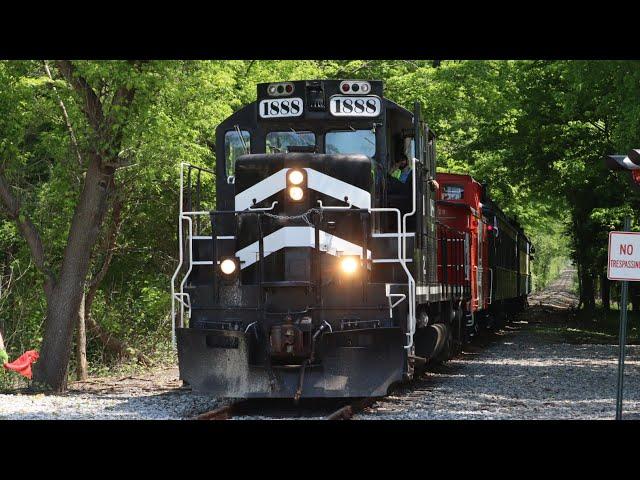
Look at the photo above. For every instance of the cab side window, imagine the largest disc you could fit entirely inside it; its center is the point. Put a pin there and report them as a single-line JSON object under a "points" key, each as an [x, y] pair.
{"points": [[409, 145], [236, 143]]}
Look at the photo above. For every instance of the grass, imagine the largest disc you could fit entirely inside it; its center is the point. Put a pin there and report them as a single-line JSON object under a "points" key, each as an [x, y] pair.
{"points": [[161, 355], [599, 328]]}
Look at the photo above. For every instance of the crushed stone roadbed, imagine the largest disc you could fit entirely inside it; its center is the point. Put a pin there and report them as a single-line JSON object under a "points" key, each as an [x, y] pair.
{"points": [[520, 377], [523, 375], [156, 395]]}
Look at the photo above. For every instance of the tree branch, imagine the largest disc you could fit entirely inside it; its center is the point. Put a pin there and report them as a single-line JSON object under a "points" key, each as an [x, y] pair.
{"points": [[249, 68], [27, 230], [92, 106], [595, 125], [65, 115], [121, 101], [115, 345]]}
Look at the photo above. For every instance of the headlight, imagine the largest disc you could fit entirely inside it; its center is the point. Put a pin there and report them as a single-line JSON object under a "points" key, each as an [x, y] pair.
{"points": [[228, 266], [296, 193], [349, 265], [295, 177]]}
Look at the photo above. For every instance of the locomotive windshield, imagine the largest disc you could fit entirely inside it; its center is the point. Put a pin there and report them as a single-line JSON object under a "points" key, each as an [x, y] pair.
{"points": [[277, 142], [350, 142]]}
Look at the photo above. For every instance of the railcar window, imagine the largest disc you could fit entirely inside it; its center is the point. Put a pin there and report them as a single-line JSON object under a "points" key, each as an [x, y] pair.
{"points": [[277, 142], [409, 147], [235, 144], [452, 192], [351, 142]]}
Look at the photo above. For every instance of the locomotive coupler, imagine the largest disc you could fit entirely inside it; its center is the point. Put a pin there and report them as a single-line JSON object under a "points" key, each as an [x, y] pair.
{"points": [[287, 340]]}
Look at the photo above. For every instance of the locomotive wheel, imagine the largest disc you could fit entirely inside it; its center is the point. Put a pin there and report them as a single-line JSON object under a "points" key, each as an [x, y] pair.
{"points": [[458, 330], [444, 344], [445, 332], [500, 321]]}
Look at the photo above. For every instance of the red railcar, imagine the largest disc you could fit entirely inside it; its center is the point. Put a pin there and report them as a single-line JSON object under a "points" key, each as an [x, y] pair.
{"points": [[496, 251]]}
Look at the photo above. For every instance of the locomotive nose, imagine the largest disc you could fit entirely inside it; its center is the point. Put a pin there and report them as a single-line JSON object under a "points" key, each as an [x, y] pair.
{"points": [[294, 238]]}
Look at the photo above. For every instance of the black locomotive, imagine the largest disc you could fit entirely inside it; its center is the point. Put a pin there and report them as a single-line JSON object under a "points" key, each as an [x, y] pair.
{"points": [[316, 274]]}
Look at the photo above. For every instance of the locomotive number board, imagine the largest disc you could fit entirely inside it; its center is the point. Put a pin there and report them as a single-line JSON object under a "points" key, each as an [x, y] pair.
{"points": [[353, 106], [280, 107]]}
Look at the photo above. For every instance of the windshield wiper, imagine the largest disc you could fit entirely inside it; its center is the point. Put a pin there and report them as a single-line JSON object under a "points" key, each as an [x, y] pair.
{"points": [[302, 138], [244, 144], [365, 138]]}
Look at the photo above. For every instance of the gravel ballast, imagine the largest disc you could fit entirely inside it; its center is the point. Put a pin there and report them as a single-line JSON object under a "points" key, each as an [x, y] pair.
{"points": [[523, 374], [154, 395], [520, 377], [93, 406]]}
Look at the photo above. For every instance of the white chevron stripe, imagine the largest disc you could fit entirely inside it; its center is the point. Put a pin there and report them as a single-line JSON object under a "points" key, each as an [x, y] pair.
{"points": [[298, 237], [317, 181], [262, 190], [338, 189]]}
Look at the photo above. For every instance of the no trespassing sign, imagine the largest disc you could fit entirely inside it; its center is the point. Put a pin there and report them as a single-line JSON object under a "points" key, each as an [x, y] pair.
{"points": [[624, 256]]}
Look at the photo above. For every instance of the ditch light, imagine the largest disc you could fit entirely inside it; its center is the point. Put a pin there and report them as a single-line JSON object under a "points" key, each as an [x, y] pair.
{"points": [[349, 265]]}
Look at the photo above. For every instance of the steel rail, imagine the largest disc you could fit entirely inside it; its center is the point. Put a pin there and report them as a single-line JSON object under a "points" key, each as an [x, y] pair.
{"points": [[222, 413], [348, 411]]}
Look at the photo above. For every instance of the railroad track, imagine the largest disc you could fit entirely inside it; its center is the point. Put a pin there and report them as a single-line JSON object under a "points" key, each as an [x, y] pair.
{"points": [[285, 409]]}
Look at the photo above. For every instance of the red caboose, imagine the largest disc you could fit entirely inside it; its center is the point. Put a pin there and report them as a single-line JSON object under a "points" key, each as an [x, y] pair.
{"points": [[459, 207], [497, 253]]}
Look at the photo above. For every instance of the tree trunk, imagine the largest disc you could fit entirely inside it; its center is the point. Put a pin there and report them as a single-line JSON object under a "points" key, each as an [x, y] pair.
{"points": [[587, 292], [634, 296], [81, 344], [605, 292], [580, 294], [63, 301]]}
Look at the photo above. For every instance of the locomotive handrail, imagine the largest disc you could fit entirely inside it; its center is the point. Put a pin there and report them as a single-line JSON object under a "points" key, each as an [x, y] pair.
{"points": [[339, 207], [264, 209], [196, 167], [388, 293], [406, 270], [184, 279], [181, 294], [412, 283]]}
